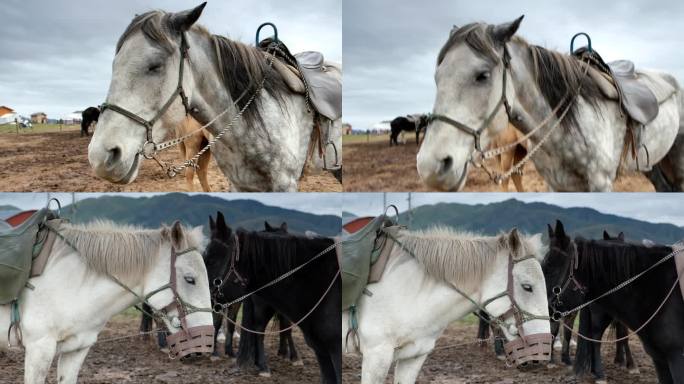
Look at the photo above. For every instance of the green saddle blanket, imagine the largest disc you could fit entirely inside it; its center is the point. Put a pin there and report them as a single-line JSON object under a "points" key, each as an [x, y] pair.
{"points": [[18, 246], [359, 251]]}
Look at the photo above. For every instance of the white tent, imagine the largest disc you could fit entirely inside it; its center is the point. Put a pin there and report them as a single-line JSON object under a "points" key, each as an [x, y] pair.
{"points": [[8, 118]]}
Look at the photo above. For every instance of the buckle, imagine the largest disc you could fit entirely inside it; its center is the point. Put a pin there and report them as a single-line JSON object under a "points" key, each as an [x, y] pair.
{"points": [[148, 150]]}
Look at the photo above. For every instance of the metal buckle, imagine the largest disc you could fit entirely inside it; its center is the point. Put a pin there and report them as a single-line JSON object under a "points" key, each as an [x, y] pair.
{"points": [[556, 290], [556, 316], [148, 150]]}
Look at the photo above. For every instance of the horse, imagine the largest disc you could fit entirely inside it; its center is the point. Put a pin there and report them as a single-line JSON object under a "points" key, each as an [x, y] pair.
{"points": [[97, 270], [510, 158], [89, 119], [487, 77], [429, 281], [312, 295], [190, 147], [409, 123], [593, 267], [168, 67]]}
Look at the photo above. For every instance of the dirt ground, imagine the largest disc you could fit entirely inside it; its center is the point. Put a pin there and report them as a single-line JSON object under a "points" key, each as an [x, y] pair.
{"points": [[58, 161], [473, 363], [135, 361], [375, 166]]}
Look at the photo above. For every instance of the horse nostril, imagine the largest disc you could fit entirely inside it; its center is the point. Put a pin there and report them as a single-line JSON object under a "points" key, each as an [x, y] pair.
{"points": [[114, 155], [446, 164]]}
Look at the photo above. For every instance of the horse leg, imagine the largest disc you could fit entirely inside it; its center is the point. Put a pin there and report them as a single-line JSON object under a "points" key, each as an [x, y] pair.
{"points": [[283, 349], [599, 322], [38, 359], [662, 368], [263, 314], [294, 357], [161, 337], [407, 370], [482, 329], [569, 321], [203, 170], [69, 364], [232, 316], [499, 344], [218, 321], [376, 364], [621, 331]]}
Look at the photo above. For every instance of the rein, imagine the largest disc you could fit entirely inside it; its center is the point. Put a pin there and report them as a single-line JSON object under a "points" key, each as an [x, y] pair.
{"points": [[477, 159]]}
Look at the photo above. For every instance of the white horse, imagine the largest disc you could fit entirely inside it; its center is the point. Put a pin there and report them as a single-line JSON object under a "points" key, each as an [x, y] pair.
{"points": [[264, 150], [416, 300], [75, 296], [582, 154]]}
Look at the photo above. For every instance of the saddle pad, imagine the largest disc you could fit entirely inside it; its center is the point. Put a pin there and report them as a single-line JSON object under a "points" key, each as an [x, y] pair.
{"points": [[358, 251], [325, 88], [16, 255], [638, 100]]}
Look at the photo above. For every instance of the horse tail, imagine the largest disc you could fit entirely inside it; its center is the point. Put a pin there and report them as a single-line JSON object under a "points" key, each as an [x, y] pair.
{"points": [[248, 341], [583, 356]]}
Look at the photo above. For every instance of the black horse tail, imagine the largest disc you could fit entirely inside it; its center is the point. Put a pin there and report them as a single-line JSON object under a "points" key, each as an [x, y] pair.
{"points": [[583, 354], [247, 349], [146, 322]]}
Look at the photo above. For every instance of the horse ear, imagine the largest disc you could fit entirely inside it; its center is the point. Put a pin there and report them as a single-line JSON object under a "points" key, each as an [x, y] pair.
{"points": [[177, 235], [221, 227], [182, 21], [267, 226], [283, 226], [514, 241], [606, 236], [212, 224], [621, 236], [504, 32], [453, 30], [550, 229], [560, 230]]}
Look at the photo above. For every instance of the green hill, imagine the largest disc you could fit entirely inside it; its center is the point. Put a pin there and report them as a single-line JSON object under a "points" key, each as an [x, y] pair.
{"points": [[533, 218], [195, 210]]}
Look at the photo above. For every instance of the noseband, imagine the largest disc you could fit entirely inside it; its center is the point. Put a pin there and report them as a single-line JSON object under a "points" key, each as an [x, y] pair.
{"points": [[149, 149], [503, 102]]}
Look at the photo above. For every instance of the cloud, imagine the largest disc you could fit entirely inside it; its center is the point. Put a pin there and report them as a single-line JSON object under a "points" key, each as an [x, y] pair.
{"points": [[56, 56], [390, 47]]}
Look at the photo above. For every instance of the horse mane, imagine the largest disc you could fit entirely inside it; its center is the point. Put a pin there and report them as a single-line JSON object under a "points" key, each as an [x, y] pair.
{"points": [[611, 262], [460, 258], [240, 67], [123, 251], [556, 74], [271, 254]]}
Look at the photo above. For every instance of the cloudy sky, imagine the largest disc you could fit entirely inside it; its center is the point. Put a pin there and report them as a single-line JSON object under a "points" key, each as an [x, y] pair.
{"points": [[390, 47], [316, 203], [651, 207], [56, 56]]}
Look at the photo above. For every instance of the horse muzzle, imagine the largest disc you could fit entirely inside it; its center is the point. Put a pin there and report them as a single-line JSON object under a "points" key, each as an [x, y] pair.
{"points": [[535, 348], [193, 341]]}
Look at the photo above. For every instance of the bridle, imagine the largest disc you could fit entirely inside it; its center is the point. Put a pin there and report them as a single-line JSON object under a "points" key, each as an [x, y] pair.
{"points": [[557, 291], [218, 283], [149, 149]]}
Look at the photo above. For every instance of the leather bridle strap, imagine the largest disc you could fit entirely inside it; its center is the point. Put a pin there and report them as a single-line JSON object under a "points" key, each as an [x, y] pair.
{"points": [[145, 150], [232, 269], [503, 102]]}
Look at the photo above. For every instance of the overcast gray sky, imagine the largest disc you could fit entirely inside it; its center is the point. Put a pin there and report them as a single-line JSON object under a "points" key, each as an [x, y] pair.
{"points": [[316, 203], [390, 47], [651, 207], [56, 56]]}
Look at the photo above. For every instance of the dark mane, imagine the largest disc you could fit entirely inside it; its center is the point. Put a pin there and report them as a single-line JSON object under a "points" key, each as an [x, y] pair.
{"points": [[241, 67], [270, 254], [556, 74], [611, 263]]}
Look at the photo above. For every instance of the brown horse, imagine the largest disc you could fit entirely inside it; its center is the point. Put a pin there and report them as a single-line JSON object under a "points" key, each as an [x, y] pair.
{"points": [[190, 147], [507, 159]]}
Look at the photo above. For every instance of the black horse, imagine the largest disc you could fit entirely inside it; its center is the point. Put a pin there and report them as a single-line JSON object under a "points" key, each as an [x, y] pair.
{"points": [[89, 116], [407, 124], [593, 267], [262, 257]]}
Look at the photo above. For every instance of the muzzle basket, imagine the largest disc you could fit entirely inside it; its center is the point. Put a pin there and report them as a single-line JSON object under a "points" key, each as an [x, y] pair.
{"points": [[194, 340], [533, 348]]}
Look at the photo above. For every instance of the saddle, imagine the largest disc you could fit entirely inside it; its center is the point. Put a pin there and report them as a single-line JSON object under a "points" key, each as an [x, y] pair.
{"points": [[24, 248], [619, 81], [364, 254], [308, 69]]}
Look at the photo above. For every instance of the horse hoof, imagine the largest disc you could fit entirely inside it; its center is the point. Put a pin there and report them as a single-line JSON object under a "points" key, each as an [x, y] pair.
{"points": [[265, 374], [214, 358], [551, 366], [634, 371], [298, 363], [164, 350], [501, 357]]}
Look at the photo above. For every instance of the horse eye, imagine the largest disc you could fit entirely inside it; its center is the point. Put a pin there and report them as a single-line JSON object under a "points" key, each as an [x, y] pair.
{"points": [[527, 287], [190, 280], [482, 76], [154, 67]]}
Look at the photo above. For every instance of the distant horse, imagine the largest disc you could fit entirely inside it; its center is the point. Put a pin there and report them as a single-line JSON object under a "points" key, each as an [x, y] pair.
{"points": [[192, 146], [261, 257], [77, 294], [89, 119], [422, 291], [411, 123], [265, 149], [595, 266], [480, 61], [510, 158]]}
